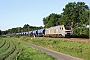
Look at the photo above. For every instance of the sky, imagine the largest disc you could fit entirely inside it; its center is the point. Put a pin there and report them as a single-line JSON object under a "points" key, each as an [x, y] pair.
{"points": [[17, 13]]}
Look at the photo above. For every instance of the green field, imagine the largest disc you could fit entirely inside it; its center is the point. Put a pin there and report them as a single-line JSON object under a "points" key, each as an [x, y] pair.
{"points": [[11, 49], [77, 49], [29, 53]]}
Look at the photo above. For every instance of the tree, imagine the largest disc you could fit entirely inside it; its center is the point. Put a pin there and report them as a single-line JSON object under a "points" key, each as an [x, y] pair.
{"points": [[26, 27], [4, 32], [0, 32], [52, 20], [19, 29], [74, 13]]}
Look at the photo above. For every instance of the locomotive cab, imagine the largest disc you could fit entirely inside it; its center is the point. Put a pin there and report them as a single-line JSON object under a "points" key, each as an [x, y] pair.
{"points": [[68, 30]]}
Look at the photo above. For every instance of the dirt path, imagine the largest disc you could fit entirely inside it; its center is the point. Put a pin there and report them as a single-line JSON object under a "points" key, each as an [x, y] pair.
{"points": [[57, 55]]}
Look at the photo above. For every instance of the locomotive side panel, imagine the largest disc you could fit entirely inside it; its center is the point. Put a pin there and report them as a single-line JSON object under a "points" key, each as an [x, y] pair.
{"points": [[53, 31]]}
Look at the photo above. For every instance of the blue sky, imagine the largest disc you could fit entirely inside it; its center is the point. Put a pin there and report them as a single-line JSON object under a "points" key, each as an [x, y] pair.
{"points": [[16, 13]]}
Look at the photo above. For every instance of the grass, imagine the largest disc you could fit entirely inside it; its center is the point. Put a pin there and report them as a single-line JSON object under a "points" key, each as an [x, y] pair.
{"points": [[16, 52], [4, 47], [9, 49], [2, 42], [3, 36], [29, 53], [77, 49]]}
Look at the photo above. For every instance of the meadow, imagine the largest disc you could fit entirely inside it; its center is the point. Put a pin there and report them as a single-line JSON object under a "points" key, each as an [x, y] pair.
{"points": [[77, 49], [29, 53], [11, 49]]}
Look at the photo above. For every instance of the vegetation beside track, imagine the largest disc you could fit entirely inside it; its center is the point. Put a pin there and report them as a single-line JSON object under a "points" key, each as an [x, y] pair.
{"points": [[77, 49], [29, 53]]}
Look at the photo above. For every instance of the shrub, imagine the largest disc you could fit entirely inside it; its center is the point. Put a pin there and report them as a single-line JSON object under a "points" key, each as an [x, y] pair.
{"points": [[16, 36], [81, 32]]}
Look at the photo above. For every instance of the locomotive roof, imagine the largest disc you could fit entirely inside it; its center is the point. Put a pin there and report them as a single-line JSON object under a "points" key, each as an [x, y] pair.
{"points": [[55, 27]]}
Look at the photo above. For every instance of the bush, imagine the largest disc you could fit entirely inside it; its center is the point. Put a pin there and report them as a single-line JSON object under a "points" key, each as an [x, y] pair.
{"points": [[81, 32], [17, 36]]}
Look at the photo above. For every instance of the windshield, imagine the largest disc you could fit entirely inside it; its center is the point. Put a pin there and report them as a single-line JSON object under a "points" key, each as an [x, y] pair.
{"points": [[67, 28]]}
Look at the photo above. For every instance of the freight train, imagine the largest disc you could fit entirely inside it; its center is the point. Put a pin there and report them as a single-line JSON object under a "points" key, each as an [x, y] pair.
{"points": [[56, 31]]}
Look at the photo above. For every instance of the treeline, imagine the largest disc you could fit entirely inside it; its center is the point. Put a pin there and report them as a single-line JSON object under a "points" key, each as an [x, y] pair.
{"points": [[75, 14], [25, 28]]}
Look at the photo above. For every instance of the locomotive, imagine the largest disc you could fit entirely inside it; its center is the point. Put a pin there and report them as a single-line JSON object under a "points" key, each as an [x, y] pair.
{"points": [[56, 31]]}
